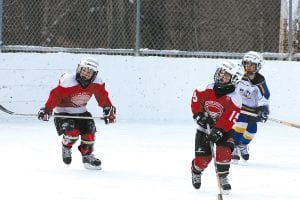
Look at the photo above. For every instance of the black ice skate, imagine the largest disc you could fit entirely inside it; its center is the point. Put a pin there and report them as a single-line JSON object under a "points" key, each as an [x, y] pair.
{"points": [[66, 155], [90, 162], [224, 183], [196, 177]]}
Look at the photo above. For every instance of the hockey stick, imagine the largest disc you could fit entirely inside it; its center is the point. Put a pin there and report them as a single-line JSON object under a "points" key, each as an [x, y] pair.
{"points": [[272, 119], [220, 197], [35, 115]]}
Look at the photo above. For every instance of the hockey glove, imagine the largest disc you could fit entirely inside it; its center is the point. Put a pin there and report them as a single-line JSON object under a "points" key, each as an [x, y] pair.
{"points": [[263, 113], [109, 114], [202, 120], [44, 114], [215, 135]]}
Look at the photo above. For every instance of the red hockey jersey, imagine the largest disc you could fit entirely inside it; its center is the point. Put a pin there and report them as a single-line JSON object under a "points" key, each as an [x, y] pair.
{"points": [[70, 97], [223, 110]]}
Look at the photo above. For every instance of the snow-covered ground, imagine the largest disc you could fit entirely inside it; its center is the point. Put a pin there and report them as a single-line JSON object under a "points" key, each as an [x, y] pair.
{"points": [[147, 154], [145, 160]]}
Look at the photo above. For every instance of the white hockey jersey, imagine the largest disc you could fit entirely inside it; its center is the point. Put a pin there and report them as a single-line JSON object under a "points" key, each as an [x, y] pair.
{"points": [[255, 92]]}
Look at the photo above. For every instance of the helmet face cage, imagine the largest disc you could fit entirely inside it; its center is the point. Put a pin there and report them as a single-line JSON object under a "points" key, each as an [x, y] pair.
{"points": [[90, 64], [253, 57], [235, 71]]}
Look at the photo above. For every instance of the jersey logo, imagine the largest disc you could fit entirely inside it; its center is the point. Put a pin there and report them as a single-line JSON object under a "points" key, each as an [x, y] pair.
{"points": [[214, 109], [80, 99], [245, 93]]}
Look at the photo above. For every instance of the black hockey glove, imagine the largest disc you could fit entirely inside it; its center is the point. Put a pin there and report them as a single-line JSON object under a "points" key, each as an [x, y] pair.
{"points": [[215, 135], [202, 120], [263, 113], [109, 114], [44, 114]]}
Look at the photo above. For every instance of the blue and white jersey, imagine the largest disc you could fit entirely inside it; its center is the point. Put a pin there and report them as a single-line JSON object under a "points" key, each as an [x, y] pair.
{"points": [[254, 92]]}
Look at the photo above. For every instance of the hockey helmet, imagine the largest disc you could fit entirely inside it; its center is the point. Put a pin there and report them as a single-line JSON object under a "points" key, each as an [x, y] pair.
{"points": [[252, 58], [86, 71], [228, 74]]}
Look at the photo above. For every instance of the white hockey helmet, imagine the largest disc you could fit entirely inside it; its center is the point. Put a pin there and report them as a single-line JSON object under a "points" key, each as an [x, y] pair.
{"points": [[235, 70], [89, 64], [253, 57]]}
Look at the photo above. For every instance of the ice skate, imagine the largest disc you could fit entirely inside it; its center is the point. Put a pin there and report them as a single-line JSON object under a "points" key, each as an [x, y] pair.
{"points": [[235, 157], [66, 155], [90, 162], [196, 177], [225, 185], [244, 152]]}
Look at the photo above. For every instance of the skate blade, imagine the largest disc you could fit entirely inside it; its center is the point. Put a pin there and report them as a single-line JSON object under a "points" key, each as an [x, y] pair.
{"points": [[225, 192], [91, 167], [234, 161], [244, 162]]}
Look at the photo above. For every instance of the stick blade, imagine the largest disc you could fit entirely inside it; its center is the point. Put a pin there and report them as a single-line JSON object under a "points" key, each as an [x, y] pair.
{"points": [[5, 110]]}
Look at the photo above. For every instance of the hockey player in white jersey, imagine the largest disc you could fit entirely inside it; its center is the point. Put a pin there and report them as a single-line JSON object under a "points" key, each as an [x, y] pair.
{"points": [[255, 95]]}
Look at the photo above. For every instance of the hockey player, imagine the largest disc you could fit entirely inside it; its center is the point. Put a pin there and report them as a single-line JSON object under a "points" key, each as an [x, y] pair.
{"points": [[70, 97], [255, 95], [216, 106]]}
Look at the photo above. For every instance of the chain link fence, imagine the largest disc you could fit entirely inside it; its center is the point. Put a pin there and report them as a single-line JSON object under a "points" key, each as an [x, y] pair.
{"points": [[200, 28]]}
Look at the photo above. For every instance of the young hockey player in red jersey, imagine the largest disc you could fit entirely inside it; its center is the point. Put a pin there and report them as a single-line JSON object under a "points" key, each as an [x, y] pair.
{"points": [[216, 106], [70, 97], [255, 96]]}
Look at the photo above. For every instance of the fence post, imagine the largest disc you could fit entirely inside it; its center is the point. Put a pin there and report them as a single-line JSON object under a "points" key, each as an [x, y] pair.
{"points": [[290, 37], [1, 23], [137, 28]]}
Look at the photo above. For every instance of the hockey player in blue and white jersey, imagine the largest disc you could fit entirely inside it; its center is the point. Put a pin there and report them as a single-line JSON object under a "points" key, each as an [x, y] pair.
{"points": [[255, 96]]}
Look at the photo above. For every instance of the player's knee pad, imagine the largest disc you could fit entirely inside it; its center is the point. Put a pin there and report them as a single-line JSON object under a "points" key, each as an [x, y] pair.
{"points": [[223, 154], [86, 147], [201, 162], [70, 139], [64, 124], [223, 159]]}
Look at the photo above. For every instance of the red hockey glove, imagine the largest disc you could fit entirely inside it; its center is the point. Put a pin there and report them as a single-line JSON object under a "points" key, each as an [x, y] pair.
{"points": [[44, 114], [109, 114]]}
